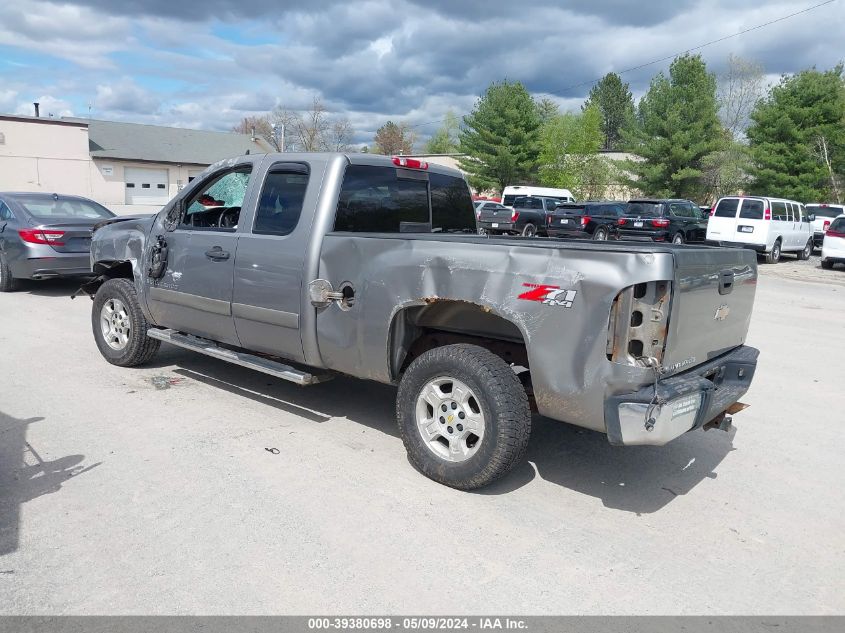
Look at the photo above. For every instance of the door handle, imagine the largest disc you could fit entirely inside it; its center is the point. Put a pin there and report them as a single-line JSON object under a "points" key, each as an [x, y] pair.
{"points": [[217, 254]]}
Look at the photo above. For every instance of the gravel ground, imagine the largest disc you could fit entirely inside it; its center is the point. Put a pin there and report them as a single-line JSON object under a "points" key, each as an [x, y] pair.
{"points": [[149, 490], [790, 267]]}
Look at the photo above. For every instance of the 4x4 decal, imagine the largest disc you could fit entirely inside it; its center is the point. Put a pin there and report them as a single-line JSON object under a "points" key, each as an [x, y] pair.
{"points": [[549, 295]]}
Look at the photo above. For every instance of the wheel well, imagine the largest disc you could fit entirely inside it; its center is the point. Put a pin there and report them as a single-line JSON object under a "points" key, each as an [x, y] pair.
{"points": [[419, 328], [112, 270], [106, 270]]}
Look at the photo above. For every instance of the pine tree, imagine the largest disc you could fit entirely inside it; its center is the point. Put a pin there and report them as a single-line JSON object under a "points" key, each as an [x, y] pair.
{"points": [[677, 127], [500, 137], [613, 99], [797, 137]]}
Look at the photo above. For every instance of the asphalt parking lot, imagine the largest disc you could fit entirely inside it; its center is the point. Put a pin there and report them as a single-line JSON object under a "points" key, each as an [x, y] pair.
{"points": [[149, 490]]}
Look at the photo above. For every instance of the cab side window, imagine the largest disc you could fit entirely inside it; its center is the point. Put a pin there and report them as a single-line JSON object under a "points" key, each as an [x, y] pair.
{"points": [[5, 213], [280, 204], [217, 206]]}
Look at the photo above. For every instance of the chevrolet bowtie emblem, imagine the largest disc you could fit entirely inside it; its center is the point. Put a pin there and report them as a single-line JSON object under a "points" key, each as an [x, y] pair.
{"points": [[722, 312]]}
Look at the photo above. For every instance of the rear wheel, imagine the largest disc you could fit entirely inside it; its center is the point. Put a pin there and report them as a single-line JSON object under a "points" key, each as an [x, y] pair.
{"points": [[7, 282], [827, 264], [773, 257], [119, 326], [678, 238], [808, 250], [600, 234], [463, 415], [529, 231]]}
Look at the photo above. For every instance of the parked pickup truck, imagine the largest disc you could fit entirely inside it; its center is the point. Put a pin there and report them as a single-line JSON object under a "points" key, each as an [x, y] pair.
{"points": [[304, 266]]}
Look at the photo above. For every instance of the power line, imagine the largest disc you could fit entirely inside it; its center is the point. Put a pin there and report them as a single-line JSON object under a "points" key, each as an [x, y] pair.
{"points": [[695, 48], [689, 50]]}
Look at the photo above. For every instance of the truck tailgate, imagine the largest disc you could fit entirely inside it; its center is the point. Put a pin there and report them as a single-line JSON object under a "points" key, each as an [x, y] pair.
{"points": [[711, 306]]}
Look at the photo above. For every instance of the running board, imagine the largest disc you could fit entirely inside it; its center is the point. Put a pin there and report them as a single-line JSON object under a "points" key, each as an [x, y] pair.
{"points": [[209, 348]]}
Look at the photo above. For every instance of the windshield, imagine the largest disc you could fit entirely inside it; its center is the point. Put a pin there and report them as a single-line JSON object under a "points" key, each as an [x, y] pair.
{"points": [[47, 208], [528, 203], [645, 209], [825, 211]]}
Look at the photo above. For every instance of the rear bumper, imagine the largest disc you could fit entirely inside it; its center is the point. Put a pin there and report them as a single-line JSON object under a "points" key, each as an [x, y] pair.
{"points": [[643, 236], [558, 232], [685, 401], [760, 248], [61, 265], [503, 227]]}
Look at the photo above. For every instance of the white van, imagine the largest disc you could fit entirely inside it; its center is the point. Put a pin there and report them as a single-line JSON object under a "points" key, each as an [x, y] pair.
{"points": [[770, 226], [512, 192]]}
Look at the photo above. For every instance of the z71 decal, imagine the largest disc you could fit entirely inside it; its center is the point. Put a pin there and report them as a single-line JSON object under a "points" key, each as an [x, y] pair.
{"points": [[549, 295]]}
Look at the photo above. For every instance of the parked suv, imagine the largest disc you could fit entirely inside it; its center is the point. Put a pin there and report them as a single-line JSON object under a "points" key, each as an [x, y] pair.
{"points": [[591, 220], [528, 217], [833, 247], [770, 226], [824, 215], [676, 221]]}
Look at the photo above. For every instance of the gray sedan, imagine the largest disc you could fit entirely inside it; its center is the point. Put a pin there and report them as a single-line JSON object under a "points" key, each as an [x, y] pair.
{"points": [[46, 235]]}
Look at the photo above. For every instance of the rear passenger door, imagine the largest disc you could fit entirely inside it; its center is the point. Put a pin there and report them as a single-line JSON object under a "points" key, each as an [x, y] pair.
{"points": [[266, 302]]}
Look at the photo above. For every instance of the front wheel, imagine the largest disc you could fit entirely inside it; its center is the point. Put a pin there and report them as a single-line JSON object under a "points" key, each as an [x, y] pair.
{"points": [[119, 326], [463, 416], [808, 250]]}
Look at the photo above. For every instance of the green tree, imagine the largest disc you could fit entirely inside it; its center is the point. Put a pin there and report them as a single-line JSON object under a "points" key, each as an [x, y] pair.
{"points": [[445, 139], [797, 137], [677, 127], [569, 155], [613, 99], [547, 110], [500, 137]]}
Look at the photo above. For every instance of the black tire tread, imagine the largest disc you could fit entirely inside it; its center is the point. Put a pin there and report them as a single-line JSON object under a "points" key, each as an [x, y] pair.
{"points": [[801, 255], [141, 347], [501, 384], [827, 264], [770, 255], [7, 282]]}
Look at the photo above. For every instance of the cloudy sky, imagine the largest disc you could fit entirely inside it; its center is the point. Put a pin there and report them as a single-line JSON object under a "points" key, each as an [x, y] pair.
{"points": [[206, 65]]}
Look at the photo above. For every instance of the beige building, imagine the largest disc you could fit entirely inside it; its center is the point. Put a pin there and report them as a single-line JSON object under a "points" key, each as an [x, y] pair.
{"points": [[127, 167]]}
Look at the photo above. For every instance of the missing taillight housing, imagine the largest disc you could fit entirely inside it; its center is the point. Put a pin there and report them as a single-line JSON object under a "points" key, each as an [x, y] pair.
{"points": [[42, 236], [639, 319]]}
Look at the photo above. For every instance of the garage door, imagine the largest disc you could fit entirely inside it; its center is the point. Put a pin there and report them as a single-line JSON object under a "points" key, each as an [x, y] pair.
{"points": [[146, 186]]}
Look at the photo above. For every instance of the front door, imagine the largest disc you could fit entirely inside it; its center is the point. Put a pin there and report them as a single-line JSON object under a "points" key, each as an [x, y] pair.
{"points": [[195, 293], [271, 254]]}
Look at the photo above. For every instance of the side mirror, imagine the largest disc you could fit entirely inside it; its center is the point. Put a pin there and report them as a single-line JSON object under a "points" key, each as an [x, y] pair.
{"points": [[809, 217]]}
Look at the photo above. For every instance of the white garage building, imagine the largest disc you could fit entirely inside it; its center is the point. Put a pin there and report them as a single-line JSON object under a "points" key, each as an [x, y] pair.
{"points": [[128, 167]]}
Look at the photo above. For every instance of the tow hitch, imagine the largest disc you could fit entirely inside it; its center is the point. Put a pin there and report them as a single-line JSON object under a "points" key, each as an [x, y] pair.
{"points": [[724, 421]]}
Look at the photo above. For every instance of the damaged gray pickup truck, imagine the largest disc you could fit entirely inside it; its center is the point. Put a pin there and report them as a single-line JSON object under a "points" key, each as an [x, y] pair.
{"points": [[304, 266]]}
